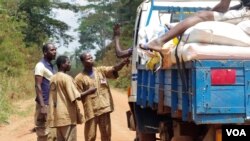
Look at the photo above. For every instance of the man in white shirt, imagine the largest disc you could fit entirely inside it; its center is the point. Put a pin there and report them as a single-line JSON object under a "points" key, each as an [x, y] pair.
{"points": [[43, 72]]}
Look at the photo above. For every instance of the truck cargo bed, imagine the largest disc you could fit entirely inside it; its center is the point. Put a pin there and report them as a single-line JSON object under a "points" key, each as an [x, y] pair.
{"points": [[205, 91]]}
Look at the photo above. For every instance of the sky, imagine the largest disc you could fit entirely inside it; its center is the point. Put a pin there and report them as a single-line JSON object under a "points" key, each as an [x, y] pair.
{"points": [[71, 19]]}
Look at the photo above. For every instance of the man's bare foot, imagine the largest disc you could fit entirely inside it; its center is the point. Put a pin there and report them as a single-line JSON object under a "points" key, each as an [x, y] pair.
{"points": [[153, 45]]}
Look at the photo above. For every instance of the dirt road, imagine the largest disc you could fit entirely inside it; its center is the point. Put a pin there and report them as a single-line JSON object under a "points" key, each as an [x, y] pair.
{"points": [[19, 126]]}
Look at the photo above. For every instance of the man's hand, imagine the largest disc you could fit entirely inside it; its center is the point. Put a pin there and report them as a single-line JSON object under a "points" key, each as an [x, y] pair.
{"points": [[91, 90], [120, 65], [126, 61], [44, 109], [116, 30]]}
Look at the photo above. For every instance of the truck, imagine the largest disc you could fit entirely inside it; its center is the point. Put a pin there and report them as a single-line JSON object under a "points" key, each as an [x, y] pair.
{"points": [[192, 100]]}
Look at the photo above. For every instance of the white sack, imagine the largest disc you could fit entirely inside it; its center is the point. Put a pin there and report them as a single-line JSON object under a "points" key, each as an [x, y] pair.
{"points": [[214, 32], [199, 51], [245, 26]]}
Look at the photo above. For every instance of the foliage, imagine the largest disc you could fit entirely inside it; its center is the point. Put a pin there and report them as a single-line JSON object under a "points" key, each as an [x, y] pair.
{"points": [[12, 55], [41, 25], [95, 28], [65, 5]]}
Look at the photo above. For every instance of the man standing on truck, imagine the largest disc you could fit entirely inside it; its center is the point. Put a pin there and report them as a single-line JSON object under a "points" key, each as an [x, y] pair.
{"points": [[98, 106], [43, 72], [220, 12]]}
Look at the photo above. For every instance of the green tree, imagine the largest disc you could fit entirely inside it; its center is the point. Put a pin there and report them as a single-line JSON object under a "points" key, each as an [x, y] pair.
{"points": [[12, 54], [95, 28], [41, 25]]}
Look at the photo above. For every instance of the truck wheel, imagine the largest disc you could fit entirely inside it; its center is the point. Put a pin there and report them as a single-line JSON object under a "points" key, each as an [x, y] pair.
{"points": [[147, 136], [130, 121], [166, 131]]}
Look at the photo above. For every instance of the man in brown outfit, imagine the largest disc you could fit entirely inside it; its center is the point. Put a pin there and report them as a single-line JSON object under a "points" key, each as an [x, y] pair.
{"points": [[63, 109], [97, 107]]}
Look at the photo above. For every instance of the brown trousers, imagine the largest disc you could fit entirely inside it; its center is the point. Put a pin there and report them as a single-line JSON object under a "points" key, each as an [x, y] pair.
{"points": [[104, 125], [43, 132], [66, 133]]}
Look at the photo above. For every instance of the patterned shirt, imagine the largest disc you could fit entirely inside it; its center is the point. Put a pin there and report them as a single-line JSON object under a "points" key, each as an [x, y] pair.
{"points": [[101, 101], [44, 69], [62, 101]]}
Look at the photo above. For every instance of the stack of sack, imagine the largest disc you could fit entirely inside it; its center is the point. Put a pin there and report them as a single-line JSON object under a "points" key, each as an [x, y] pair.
{"points": [[214, 40], [211, 40]]}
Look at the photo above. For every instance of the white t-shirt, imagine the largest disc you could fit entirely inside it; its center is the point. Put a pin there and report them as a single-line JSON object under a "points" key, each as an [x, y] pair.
{"points": [[41, 70]]}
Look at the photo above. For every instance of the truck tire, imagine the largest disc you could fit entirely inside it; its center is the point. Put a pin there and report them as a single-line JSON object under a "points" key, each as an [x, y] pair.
{"points": [[147, 136], [166, 131], [130, 121]]}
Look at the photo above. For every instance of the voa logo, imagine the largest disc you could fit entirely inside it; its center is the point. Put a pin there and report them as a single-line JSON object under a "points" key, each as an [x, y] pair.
{"points": [[236, 132]]}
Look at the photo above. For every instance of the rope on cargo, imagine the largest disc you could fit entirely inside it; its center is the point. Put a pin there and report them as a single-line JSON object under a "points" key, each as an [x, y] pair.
{"points": [[176, 91]]}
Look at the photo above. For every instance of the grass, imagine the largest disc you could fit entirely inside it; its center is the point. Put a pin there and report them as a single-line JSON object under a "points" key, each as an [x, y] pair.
{"points": [[5, 109], [25, 111], [13, 89]]}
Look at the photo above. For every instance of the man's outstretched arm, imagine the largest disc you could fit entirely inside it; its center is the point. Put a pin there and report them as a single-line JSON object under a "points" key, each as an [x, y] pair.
{"points": [[118, 49]]}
